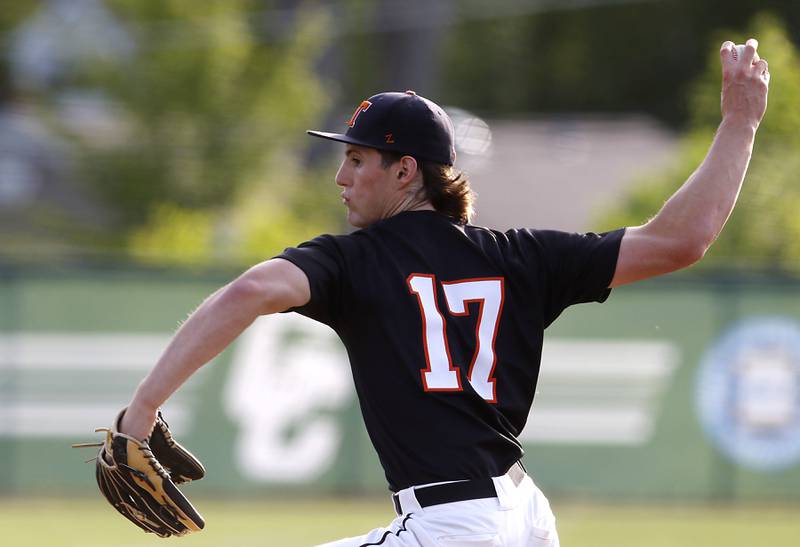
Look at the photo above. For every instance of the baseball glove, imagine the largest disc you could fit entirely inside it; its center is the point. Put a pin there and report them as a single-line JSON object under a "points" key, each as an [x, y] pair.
{"points": [[137, 484], [179, 462]]}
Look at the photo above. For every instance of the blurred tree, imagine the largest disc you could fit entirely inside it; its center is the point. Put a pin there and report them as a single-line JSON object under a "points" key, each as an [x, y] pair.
{"points": [[10, 16], [209, 116], [573, 56], [764, 229]]}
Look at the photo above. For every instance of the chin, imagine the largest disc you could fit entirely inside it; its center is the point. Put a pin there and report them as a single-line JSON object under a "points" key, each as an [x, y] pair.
{"points": [[356, 221], [357, 224]]}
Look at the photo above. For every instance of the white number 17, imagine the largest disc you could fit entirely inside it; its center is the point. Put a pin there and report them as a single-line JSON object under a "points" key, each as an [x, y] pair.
{"points": [[441, 374]]}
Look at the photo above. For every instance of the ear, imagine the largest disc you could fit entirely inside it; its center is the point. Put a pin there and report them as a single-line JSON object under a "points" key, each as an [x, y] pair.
{"points": [[407, 171]]}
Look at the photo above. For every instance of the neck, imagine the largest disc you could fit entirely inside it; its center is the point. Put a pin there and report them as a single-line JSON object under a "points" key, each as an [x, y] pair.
{"points": [[410, 203]]}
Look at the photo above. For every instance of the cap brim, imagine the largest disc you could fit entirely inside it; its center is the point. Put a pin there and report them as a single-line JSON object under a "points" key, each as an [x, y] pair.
{"points": [[339, 137]]}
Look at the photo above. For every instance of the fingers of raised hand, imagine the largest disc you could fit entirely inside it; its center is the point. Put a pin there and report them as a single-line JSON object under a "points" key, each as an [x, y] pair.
{"points": [[726, 51], [750, 54], [742, 60], [761, 68], [758, 71]]}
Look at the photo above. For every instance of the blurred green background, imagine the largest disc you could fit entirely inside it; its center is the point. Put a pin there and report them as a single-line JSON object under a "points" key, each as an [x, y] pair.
{"points": [[150, 150], [170, 133]]}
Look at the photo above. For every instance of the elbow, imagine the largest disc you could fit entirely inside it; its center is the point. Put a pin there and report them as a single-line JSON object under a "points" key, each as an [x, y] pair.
{"points": [[246, 293], [688, 253]]}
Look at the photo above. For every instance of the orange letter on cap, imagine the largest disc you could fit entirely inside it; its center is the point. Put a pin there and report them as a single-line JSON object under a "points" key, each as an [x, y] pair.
{"points": [[363, 106]]}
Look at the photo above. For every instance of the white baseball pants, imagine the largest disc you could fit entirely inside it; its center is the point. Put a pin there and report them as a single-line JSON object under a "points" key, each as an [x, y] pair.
{"points": [[520, 516]]}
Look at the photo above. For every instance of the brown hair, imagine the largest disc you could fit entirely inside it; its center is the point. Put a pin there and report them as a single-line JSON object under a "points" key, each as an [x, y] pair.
{"points": [[448, 190]]}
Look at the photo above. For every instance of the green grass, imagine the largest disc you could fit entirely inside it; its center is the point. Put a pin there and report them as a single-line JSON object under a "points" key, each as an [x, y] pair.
{"points": [[673, 526], [295, 523]]}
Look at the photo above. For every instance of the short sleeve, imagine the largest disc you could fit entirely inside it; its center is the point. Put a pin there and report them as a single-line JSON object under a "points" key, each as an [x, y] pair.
{"points": [[322, 262], [572, 268]]}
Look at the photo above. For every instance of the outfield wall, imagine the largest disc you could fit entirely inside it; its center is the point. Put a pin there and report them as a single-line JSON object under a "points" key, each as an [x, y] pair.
{"points": [[683, 388]]}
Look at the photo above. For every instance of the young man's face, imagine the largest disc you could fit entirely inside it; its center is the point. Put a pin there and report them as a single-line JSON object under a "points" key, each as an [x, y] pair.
{"points": [[368, 189]]}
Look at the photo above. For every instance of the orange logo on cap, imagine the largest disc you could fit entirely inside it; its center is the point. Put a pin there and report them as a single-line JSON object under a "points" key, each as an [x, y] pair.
{"points": [[361, 108], [389, 138]]}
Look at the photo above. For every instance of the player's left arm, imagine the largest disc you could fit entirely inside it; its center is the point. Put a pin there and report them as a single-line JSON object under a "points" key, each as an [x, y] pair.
{"points": [[270, 287], [689, 222]]}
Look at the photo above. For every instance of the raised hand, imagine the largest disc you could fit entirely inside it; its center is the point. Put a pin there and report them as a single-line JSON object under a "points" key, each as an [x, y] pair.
{"points": [[745, 83]]}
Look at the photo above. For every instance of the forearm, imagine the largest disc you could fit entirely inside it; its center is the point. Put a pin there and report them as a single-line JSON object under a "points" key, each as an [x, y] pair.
{"points": [[208, 330], [270, 287], [697, 212], [221, 318]]}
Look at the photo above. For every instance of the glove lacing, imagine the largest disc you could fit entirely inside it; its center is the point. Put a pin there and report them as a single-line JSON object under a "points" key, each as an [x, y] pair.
{"points": [[165, 430], [152, 462]]}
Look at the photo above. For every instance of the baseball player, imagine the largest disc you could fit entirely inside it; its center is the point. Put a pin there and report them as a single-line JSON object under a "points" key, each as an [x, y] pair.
{"points": [[443, 321]]}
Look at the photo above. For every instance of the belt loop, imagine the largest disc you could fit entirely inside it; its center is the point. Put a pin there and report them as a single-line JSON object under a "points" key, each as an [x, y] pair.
{"points": [[506, 486], [408, 501], [506, 492]]}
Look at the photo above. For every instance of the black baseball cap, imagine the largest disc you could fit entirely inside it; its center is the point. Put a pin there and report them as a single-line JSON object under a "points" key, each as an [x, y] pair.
{"points": [[400, 122]]}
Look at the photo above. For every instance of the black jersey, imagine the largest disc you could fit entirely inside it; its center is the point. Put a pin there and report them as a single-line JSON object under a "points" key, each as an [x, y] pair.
{"points": [[443, 326]]}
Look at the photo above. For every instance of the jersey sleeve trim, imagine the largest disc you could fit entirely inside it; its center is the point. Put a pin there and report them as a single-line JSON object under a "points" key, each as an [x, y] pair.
{"points": [[613, 240]]}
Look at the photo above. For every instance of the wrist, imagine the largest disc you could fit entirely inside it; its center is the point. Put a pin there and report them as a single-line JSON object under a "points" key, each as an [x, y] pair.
{"points": [[138, 419], [739, 123]]}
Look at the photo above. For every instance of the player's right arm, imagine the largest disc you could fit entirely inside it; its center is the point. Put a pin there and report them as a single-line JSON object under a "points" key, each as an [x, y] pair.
{"points": [[689, 222], [270, 287]]}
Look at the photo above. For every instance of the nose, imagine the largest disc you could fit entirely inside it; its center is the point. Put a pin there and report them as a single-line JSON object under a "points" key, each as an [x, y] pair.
{"points": [[341, 178]]}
